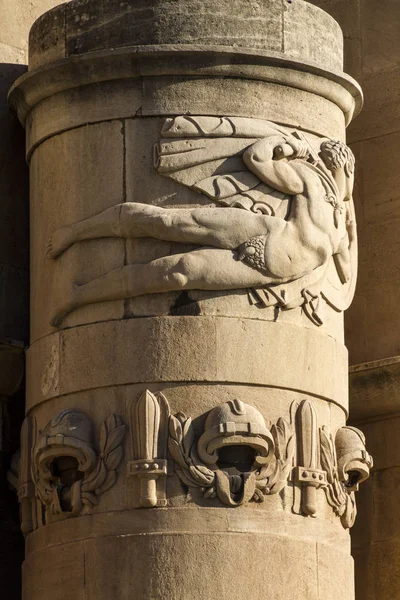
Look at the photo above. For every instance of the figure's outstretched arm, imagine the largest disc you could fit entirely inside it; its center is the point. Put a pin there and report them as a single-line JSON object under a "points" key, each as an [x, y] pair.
{"points": [[267, 159]]}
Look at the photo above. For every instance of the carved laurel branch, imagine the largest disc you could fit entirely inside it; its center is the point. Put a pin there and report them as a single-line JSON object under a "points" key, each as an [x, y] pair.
{"points": [[181, 444], [340, 500], [285, 445], [104, 475]]}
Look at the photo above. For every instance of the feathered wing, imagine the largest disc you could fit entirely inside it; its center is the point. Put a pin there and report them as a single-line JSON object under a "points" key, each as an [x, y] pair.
{"points": [[205, 154]]}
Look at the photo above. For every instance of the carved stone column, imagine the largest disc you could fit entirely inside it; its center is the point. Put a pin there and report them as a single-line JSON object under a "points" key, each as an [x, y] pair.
{"points": [[193, 248]]}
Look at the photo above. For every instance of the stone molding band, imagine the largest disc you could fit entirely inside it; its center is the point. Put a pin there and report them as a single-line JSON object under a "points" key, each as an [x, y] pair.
{"points": [[127, 100], [185, 60], [213, 351], [166, 95], [176, 521]]}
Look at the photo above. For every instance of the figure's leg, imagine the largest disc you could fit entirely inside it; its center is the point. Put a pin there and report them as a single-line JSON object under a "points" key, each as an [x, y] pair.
{"points": [[105, 224], [225, 228], [204, 269], [218, 227]]}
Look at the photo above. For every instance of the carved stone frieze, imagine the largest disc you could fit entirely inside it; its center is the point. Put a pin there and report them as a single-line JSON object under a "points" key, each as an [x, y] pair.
{"points": [[335, 463], [239, 458], [69, 473], [280, 222]]}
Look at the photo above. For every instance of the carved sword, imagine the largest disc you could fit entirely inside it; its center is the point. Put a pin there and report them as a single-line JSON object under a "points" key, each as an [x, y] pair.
{"points": [[307, 473]]}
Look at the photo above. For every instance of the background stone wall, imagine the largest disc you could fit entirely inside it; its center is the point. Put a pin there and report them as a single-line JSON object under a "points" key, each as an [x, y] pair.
{"points": [[372, 51], [372, 56]]}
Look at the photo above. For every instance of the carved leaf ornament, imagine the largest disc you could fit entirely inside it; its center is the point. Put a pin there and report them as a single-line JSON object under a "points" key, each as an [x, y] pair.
{"points": [[181, 445], [103, 477], [285, 444]]}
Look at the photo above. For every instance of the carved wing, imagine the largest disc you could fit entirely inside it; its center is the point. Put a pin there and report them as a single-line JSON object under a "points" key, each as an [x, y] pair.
{"points": [[205, 154]]}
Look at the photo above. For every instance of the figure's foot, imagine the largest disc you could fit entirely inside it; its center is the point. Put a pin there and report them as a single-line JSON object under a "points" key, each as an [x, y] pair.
{"points": [[59, 242], [69, 304]]}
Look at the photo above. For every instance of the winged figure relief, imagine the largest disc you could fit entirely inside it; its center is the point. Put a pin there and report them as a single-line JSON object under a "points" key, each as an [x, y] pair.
{"points": [[226, 159], [280, 222]]}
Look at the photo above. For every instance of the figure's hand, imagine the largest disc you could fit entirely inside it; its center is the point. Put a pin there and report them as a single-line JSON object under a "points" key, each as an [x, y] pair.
{"points": [[263, 160], [283, 151], [300, 148], [292, 148]]}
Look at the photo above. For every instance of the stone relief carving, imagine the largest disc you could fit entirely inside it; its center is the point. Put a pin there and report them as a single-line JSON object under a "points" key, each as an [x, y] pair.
{"points": [[237, 458], [281, 222], [149, 417], [307, 473], [337, 464], [347, 464], [29, 506], [68, 473], [20, 478]]}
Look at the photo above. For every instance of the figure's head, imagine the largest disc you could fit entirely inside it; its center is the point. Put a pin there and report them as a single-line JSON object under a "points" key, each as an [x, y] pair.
{"points": [[339, 159]]}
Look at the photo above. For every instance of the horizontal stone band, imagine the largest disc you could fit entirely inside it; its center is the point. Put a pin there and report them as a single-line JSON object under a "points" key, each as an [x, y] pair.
{"points": [[185, 60], [178, 521], [187, 349]]}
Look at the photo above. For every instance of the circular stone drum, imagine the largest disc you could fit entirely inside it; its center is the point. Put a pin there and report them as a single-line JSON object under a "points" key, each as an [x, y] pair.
{"points": [[185, 385]]}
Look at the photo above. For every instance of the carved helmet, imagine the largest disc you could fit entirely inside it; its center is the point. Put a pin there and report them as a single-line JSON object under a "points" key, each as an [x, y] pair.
{"points": [[235, 424], [68, 434], [354, 462]]}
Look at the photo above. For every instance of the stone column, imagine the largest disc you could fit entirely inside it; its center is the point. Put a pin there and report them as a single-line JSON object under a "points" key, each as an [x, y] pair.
{"points": [[193, 247]]}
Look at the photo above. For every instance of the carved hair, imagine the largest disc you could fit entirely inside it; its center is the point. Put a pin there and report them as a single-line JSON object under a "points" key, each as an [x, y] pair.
{"points": [[337, 155]]}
